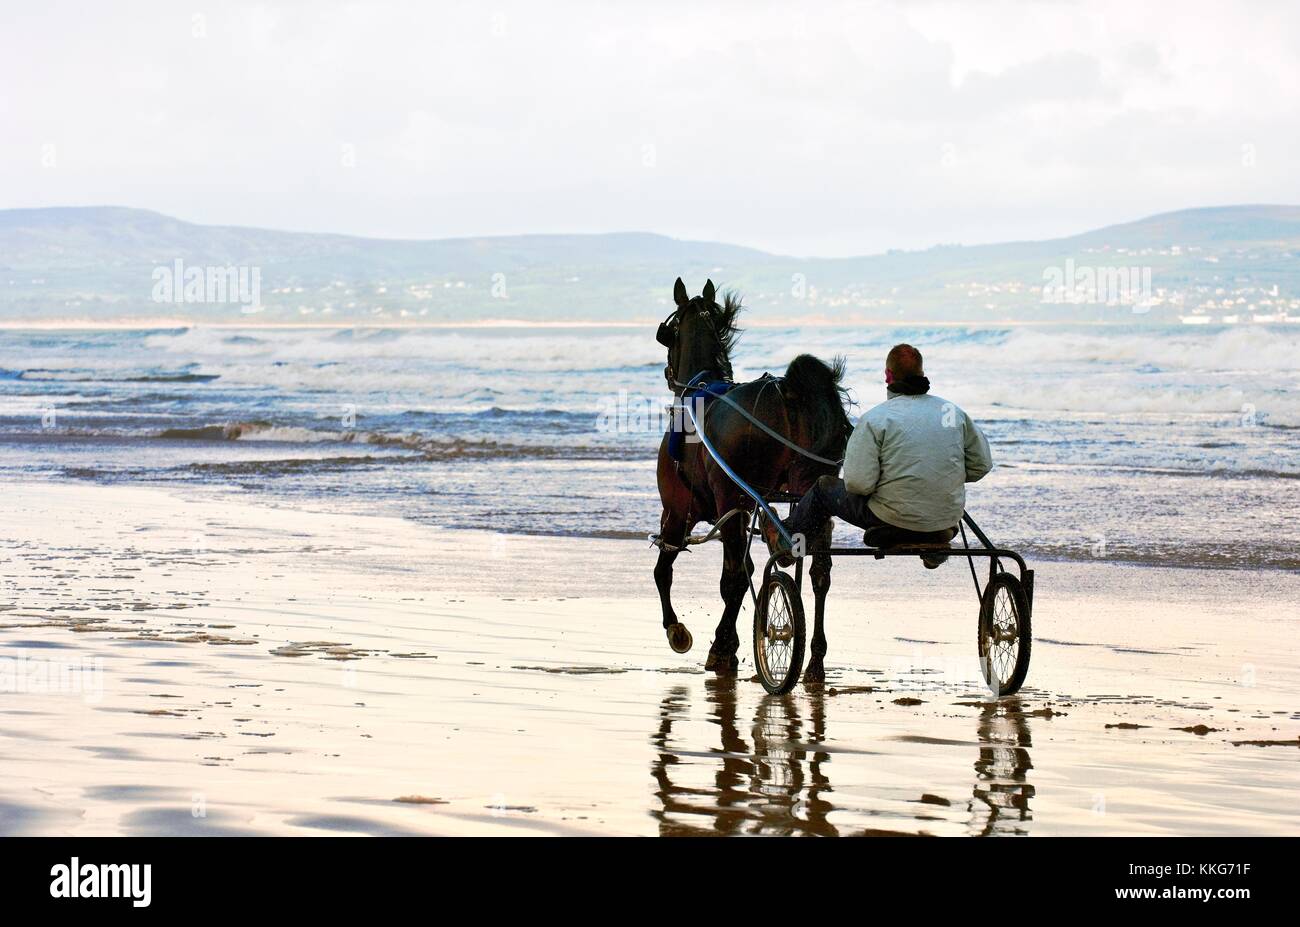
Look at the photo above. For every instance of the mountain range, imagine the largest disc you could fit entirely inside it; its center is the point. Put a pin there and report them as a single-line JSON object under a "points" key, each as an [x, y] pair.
{"points": [[106, 263]]}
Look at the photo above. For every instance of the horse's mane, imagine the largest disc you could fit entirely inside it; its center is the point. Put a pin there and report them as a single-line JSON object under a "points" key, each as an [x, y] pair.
{"points": [[818, 389], [725, 319]]}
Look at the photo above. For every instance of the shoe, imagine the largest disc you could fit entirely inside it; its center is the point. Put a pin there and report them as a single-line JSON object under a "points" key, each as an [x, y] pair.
{"points": [[937, 559], [775, 544], [934, 561]]}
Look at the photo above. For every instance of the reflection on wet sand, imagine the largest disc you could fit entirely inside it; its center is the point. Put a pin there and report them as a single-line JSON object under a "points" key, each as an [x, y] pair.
{"points": [[1001, 799], [775, 788], [781, 784]]}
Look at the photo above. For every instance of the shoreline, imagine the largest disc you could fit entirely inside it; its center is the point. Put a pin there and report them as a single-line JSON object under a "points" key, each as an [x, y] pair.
{"points": [[241, 496]]}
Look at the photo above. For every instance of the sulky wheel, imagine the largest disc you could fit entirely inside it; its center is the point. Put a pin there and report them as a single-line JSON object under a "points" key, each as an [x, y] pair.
{"points": [[779, 634], [1004, 634]]}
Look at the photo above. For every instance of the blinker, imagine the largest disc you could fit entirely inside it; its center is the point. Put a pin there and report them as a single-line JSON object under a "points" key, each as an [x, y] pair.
{"points": [[667, 332]]}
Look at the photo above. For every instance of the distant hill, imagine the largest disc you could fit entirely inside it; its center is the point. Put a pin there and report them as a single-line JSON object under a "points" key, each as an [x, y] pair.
{"points": [[100, 263]]}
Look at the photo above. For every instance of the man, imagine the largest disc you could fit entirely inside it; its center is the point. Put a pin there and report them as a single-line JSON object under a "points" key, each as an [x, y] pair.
{"points": [[905, 466]]}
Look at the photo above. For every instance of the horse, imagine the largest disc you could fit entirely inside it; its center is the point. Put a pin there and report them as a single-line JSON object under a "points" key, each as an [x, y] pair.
{"points": [[806, 406]]}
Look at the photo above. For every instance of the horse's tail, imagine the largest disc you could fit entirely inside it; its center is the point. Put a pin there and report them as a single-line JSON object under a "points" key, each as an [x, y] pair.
{"points": [[813, 388]]}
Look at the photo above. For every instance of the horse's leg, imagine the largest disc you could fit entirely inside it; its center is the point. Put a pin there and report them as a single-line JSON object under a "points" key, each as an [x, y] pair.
{"points": [[672, 533], [820, 573], [736, 569]]}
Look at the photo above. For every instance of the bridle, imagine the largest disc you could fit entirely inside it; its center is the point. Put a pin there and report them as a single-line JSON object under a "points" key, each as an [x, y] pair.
{"points": [[670, 329]]}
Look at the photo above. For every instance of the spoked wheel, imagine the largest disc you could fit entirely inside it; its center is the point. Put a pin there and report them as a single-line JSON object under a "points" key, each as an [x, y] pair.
{"points": [[1004, 634], [779, 634]]}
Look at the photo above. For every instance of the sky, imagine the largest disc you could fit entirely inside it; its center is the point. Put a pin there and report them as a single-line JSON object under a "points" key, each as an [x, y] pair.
{"points": [[815, 129]]}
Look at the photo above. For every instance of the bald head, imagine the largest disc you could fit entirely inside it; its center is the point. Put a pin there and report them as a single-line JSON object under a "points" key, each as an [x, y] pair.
{"points": [[903, 361]]}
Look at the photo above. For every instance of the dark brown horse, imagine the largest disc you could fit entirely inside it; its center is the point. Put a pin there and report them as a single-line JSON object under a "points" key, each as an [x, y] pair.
{"points": [[806, 406]]}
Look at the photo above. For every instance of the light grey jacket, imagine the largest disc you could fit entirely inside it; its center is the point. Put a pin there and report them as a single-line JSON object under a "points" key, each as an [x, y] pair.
{"points": [[913, 456]]}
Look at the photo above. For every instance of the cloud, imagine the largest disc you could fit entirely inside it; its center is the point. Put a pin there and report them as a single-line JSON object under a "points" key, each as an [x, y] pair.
{"points": [[843, 128]]}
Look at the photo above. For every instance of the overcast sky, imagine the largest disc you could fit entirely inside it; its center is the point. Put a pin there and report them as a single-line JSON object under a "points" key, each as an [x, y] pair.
{"points": [[843, 129]]}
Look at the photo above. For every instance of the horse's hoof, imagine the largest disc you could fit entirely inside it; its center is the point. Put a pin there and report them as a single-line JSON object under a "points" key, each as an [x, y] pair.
{"points": [[722, 664], [815, 675], [679, 638]]}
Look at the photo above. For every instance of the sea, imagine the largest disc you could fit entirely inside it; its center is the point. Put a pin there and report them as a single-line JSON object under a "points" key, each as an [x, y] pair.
{"points": [[1143, 444]]}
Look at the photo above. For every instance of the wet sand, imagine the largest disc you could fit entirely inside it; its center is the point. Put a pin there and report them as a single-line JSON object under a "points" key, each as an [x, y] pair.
{"points": [[205, 663]]}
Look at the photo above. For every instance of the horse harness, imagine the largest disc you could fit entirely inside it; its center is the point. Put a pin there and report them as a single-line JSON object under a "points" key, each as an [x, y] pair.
{"points": [[699, 387]]}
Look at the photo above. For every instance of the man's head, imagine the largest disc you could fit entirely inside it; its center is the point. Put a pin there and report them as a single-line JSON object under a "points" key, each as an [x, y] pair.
{"points": [[902, 362]]}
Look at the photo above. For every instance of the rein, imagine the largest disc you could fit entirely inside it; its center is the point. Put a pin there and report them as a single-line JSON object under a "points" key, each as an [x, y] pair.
{"points": [[761, 425], [668, 335]]}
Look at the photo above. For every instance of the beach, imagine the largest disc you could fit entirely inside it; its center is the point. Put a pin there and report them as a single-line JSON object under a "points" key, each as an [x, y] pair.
{"points": [[205, 661]]}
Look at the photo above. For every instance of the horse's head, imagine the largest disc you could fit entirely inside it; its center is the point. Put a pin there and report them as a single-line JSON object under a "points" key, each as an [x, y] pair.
{"points": [[699, 335]]}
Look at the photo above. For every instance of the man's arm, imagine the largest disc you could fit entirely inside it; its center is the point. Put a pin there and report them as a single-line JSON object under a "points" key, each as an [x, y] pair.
{"points": [[862, 459], [979, 459]]}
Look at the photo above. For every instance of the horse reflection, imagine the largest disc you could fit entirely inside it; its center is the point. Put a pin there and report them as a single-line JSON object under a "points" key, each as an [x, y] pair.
{"points": [[774, 777], [775, 788]]}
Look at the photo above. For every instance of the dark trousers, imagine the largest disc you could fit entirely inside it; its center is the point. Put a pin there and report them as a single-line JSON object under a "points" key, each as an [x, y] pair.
{"points": [[830, 499]]}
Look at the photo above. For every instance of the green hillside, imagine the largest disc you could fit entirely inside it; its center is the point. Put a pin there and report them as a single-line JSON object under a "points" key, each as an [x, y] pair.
{"points": [[99, 263]]}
